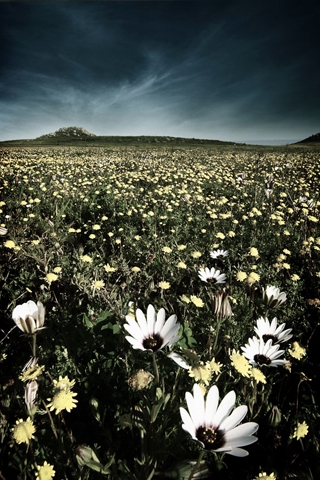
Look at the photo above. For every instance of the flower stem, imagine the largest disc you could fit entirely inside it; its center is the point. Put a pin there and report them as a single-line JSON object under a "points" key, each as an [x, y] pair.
{"points": [[195, 468], [155, 370], [34, 344]]}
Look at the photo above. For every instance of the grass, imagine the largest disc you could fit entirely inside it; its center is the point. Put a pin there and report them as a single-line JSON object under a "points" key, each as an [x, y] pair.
{"points": [[92, 233]]}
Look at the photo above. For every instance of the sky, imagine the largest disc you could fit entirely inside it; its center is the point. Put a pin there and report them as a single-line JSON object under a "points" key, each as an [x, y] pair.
{"points": [[237, 70]]}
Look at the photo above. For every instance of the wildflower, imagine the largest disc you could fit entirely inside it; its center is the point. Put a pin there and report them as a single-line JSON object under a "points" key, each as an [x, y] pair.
{"points": [[240, 363], [30, 394], [98, 284], [272, 297], [301, 430], [135, 269], [295, 277], [201, 373], [140, 380], [264, 476], [267, 330], [164, 285], [57, 269], [9, 244], [196, 301], [196, 254], [241, 276], [296, 351], [182, 247], [31, 373], [153, 333], [231, 234], [23, 431], [213, 427], [92, 236], [45, 472], [212, 275], [254, 252], [51, 277], [109, 269], [258, 375], [35, 242], [63, 400], [179, 360], [86, 258], [29, 317], [96, 227], [63, 383], [214, 366], [253, 277], [219, 254], [286, 266], [222, 307], [259, 352], [167, 250], [220, 235], [185, 299], [182, 265]]}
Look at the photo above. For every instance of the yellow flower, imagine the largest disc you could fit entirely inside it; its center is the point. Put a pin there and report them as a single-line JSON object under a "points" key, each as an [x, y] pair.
{"points": [[96, 227], [214, 366], [196, 254], [196, 301], [45, 472], [241, 276], [23, 431], [35, 242], [135, 269], [109, 269], [241, 364], [201, 373], [92, 236], [98, 284], [86, 258], [9, 244], [164, 285], [301, 430], [253, 277], [71, 230], [181, 265], [51, 277], [185, 299], [295, 277], [167, 250], [63, 400], [286, 266], [63, 383], [254, 252], [264, 476], [57, 269], [231, 234], [297, 351], [286, 251], [32, 373], [182, 247], [220, 235], [258, 375], [140, 380]]}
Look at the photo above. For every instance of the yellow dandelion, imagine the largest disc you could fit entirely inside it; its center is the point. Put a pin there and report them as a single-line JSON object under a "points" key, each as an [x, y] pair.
{"points": [[98, 284], [96, 227], [196, 254], [63, 400], [57, 269], [9, 244], [31, 373], [181, 265], [182, 247], [164, 285], [264, 476], [51, 277], [201, 373], [286, 266], [215, 367], [241, 364], [220, 235], [109, 269], [45, 472], [253, 277], [63, 383], [301, 430], [23, 431], [295, 277], [286, 251], [92, 236], [296, 351], [71, 230], [258, 375], [196, 301], [35, 242], [231, 234], [241, 276], [185, 299], [135, 269], [86, 258], [254, 252]]}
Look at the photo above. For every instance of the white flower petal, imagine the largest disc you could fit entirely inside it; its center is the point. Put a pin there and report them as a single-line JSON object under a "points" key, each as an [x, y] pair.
{"points": [[235, 418], [179, 360], [224, 408], [211, 405], [151, 319], [141, 319], [161, 316], [188, 424]]}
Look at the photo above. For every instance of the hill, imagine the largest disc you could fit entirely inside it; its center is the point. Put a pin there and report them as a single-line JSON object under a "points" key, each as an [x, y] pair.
{"points": [[313, 139]]}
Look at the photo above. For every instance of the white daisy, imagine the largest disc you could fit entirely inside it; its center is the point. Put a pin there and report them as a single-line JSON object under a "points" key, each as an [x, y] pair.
{"points": [[267, 330], [213, 427], [212, 275], [29, 317], [219, 253], [152, 333], [272, 296], [260, 353]]}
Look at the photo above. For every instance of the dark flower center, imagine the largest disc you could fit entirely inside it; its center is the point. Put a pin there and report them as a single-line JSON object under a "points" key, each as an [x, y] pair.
{"points": [[268, 336], [212, 439], [153, 342], [262, 359], [212, 280]]}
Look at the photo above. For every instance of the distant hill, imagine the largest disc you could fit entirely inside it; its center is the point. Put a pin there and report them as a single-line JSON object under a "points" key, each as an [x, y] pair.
{"points": [[313, 139], [75, 136]]}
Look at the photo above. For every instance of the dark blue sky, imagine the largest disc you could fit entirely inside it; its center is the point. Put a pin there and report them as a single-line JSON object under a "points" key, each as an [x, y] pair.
{"points": [[239, 70]]}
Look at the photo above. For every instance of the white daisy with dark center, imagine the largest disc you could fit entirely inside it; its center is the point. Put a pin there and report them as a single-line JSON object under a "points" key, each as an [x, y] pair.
{"points": [[213, 426], [154, 332], [219, 254], [261, 353], [272, 296], [211, 275], [267, 330], [29, 317]]}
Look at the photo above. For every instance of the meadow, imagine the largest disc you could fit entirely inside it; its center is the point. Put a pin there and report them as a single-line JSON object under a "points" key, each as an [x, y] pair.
{"points": [[97, 380]]}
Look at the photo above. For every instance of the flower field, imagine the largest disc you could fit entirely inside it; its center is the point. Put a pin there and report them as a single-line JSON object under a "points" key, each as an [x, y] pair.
{"points": [[159, 313]]}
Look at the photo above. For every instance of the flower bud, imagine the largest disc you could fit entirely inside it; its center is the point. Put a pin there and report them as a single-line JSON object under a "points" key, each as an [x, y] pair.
{"points": [[274, 416]]}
